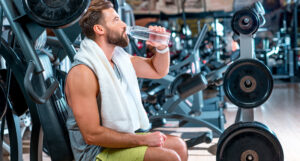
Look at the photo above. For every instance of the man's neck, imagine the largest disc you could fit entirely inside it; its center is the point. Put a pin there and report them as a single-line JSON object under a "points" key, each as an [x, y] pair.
{"points": [[106, 47]]}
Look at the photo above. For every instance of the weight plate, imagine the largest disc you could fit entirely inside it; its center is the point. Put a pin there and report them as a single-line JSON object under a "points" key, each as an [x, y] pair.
{"points": [[248, 83], [245, 22], [55, 13], [249, 141]]}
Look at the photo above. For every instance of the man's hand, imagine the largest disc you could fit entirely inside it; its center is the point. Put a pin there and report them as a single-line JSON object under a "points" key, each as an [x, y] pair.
{"points": [[155, 139], [157, 29]]}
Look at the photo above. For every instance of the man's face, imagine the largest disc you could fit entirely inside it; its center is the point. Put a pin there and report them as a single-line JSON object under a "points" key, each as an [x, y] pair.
{"points": [[115, 28]]}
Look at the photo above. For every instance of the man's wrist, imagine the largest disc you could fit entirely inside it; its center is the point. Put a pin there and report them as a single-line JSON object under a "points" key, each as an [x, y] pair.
{"points": [[163, 51], [140, 140]]}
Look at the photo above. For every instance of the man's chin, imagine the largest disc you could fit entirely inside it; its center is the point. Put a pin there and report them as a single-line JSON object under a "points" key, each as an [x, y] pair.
{"points": [[123, 45], [127, 42]]}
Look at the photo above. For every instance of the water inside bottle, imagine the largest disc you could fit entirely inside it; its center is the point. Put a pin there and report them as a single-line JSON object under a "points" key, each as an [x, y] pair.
{"points": [[146, 34], [142, 35], [159, 38]]}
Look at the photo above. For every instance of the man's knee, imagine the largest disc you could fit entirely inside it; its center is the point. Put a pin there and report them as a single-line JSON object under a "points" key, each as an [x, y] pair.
{"points": [[179, 144], [173, 156], [182, 143]]}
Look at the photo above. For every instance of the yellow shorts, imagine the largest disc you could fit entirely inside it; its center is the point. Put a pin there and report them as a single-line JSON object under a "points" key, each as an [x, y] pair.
{"points": [[126, 154]]}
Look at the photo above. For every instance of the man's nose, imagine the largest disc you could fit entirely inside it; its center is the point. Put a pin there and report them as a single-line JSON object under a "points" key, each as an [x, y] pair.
{"points": [[124, 24]]}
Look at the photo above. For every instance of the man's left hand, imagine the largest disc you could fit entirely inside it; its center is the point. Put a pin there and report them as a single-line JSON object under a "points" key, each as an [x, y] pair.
{"points": [[157, 29]]}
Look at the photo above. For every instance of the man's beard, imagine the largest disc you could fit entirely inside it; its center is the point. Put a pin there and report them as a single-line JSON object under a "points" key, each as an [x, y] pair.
{"points": [[118, 40]]}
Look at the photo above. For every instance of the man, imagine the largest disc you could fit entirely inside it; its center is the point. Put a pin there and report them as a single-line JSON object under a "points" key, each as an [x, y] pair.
{"points": [[95, 90]]}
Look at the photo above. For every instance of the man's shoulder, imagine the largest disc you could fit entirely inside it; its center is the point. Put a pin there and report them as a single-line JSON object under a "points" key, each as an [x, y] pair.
{"points": [[81, 78], [81, 73], [80, 70]]}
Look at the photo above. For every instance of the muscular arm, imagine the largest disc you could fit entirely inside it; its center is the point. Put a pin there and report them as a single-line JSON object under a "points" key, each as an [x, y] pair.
{"points": [[81, 92], [155, 67]]}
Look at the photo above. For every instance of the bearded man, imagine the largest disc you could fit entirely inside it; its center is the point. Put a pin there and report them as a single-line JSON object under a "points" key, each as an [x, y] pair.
{"points": [[104, 98]]}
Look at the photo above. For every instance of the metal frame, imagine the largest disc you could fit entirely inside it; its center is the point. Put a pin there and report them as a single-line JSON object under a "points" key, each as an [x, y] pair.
{"points": [[294, 44], [247, 51]]}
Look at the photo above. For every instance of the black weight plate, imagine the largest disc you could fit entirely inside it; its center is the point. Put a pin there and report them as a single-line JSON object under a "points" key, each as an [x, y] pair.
{"points": [[249, 95], [238, 25], [55, 13], [245, 139]]}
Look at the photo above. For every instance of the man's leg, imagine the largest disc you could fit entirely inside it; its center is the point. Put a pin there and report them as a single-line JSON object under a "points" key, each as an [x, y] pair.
{"points": [[174, 149], [177, 144], [161, 154]]}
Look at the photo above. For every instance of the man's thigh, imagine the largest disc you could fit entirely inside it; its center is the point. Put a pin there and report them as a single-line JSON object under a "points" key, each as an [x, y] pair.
{"points": [[124, 154], [169, 152], [161, 154]]}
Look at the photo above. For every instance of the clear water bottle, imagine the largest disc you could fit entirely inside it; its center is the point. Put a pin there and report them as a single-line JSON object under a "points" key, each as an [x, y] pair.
{"points": [[144, 33]]}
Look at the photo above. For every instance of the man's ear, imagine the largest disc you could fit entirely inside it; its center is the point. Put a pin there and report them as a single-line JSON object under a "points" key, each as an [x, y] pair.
{"points": [[98, 29]]}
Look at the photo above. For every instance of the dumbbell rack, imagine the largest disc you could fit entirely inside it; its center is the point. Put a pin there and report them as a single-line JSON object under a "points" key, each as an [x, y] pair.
{"points": [[248, 83]]}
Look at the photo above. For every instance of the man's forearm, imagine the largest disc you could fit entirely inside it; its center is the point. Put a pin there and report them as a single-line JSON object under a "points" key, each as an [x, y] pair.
{"points": [[161, 63], [108, 138]]}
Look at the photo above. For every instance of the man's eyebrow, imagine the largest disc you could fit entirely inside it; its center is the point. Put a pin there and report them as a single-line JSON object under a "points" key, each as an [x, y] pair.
{"points": [[117, 17]]}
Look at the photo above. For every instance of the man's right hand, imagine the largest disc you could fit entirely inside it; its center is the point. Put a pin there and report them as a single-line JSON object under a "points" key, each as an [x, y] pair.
{"points": [[156, 139]]}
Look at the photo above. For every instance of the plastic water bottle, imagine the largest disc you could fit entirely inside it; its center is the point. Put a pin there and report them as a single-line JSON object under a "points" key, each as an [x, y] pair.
{"points": [[144, 33]]}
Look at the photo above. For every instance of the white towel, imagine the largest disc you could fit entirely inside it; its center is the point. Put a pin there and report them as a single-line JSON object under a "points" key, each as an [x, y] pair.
{"points": [[115, 111]]}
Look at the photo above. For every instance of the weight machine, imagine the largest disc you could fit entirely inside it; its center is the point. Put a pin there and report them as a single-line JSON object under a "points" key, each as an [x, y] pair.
{"points": [[24, 67]]}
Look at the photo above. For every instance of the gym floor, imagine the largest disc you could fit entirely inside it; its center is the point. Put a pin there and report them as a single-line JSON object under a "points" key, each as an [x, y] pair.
{"points": [[280, 113]]}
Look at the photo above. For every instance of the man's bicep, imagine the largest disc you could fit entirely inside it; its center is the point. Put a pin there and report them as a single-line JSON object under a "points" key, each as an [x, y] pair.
{"points": [[86, 113], [144, 67]]}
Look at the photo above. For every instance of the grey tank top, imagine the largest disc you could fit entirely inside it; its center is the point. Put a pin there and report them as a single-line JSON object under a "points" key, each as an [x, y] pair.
{"points": [[81, 150]]}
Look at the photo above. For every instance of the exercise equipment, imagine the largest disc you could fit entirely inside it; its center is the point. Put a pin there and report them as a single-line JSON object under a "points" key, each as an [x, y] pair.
{"points": [[248, 20], [55, 14], [24, 62], [275, 46], [191, 86], [2, 102], [249, 141], [16, 98], [248, 83]]}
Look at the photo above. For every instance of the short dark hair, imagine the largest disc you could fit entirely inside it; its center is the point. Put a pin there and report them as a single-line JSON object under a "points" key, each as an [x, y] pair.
{"points": [[93, 16]]}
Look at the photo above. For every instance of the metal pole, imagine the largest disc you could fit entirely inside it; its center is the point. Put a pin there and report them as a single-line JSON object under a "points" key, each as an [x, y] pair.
{"points": [[66, 43], [295, 17], [1, 22], [217, 40]]}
